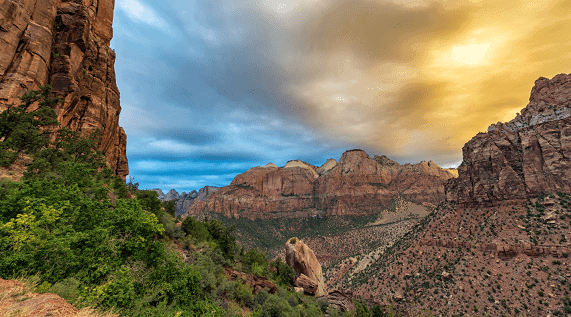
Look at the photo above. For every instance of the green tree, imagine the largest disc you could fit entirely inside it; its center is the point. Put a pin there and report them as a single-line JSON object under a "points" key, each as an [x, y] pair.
{"points": [[25, 130], [284, 274], [195, 229], [170, 206], [224, 236]]}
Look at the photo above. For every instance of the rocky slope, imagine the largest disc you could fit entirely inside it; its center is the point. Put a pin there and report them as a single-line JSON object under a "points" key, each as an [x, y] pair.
{"points": [[524, 157], [504, 249], [65, 44], [356, 185]]}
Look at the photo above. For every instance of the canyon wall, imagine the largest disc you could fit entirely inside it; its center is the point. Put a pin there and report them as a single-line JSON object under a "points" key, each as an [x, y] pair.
{"points": [[65, 44], [519, 159], [356, 185]]}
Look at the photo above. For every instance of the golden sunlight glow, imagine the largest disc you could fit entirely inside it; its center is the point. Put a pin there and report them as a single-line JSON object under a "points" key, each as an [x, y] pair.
{"points": [[470, 54]]}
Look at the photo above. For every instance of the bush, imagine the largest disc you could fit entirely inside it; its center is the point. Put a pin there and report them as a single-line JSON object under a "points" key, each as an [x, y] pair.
{"points": [[242, 293], [67, 288], [284, 275], [274, 306], [255, 262], [195, 228]]}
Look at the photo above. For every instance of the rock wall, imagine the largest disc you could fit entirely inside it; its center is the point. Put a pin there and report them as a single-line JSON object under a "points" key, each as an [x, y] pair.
{"points": [[503, 251], [522, 158], [356, 185], [65, 44]]}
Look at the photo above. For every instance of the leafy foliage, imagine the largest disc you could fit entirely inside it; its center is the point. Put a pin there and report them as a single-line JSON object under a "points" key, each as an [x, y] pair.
{"points": [[77, 226], [22, 128]]}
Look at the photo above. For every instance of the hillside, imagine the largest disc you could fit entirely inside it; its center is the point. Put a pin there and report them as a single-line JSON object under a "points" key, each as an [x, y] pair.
{"points": [[500, 245]]}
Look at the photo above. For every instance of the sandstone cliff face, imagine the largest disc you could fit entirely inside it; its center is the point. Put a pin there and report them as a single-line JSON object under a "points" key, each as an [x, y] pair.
{"points": [[356, 185], [65, 44], [521, 158], [302, 260]]}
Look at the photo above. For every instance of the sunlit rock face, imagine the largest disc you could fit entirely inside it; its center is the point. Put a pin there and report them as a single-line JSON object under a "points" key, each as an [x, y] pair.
{"points": [[65, 44], [356, 185], [527, 156], [308, 273]]}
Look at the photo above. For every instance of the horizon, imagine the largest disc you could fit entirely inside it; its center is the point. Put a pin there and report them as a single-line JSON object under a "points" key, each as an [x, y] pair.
{"points": [[283, 165], [212, 89]]}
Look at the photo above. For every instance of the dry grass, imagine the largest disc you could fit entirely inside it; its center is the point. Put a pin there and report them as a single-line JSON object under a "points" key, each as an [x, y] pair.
{"points": [[17, 299]]}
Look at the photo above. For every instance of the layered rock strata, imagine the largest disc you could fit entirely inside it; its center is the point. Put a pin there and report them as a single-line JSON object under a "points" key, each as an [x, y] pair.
{"points": [[65, 44], [519, 159], [358, 184], [308, 273]]}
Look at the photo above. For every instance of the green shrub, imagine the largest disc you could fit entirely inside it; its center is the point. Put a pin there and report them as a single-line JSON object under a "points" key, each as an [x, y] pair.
{"points": [[284, 275], [255, 262], [274, 306], [67, 288], [195, 228], [242, 293]]}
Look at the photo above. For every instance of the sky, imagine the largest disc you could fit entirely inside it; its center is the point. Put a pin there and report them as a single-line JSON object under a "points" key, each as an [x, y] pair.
{"points": [[210, 88]]}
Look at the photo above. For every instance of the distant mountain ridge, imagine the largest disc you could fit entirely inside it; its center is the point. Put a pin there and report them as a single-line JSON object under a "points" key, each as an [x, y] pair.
{"points": [[356, 185], [185, 200]]}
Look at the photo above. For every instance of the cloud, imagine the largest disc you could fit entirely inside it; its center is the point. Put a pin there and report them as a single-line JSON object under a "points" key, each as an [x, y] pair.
{"points": [[309, 79], [140, 12]]}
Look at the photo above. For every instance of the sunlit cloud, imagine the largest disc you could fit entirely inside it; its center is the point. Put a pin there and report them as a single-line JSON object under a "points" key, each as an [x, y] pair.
{"points": [[286, 79]]}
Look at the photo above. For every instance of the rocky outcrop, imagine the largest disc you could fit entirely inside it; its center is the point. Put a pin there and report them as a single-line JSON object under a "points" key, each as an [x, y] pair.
{"points": [[524, 157], [65, 44], [503, 251], [358, 184], [339, 301], [302, 260], [257, 283]]}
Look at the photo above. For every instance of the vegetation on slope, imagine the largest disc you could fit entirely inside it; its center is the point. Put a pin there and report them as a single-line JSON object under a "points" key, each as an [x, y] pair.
{"points": [[96, 242]]}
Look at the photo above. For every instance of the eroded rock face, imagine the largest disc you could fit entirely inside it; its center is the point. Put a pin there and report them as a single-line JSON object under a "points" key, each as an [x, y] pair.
{"points": [[527, 156], [356, 185], [65, 44], [339, 300], [302, 260]]}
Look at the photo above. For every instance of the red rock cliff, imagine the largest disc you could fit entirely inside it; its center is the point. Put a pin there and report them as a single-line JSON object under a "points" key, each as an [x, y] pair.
{"points": [[356, 185], [65, 44], [527, 156]]}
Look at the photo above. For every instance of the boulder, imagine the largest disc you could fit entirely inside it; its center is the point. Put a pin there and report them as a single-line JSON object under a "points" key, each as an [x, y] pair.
{"points": [[338, 300], [307, 269], [257, 283], [309, 285]]}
